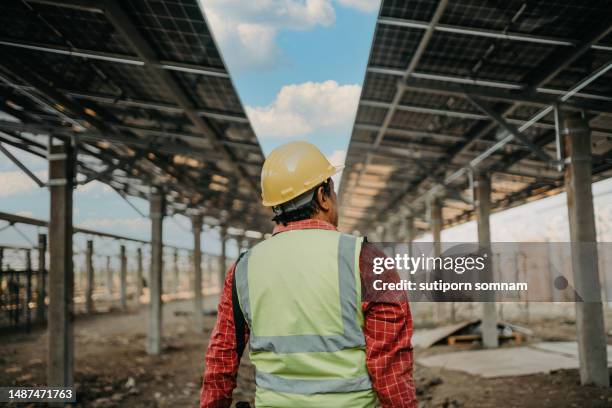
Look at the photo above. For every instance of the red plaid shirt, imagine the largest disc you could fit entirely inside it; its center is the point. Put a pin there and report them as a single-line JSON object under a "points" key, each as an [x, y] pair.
{"points": [[387, 330]]}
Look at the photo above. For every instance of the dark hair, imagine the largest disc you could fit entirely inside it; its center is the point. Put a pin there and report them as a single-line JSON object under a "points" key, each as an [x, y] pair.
{"points": [[306, 211]]}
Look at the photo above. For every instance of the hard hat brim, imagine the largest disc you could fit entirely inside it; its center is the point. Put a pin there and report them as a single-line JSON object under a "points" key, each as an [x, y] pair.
{"points": [[333, 170]]}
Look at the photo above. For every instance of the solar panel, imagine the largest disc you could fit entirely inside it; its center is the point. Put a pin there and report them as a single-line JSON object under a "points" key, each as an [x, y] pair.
{"points": [[515, 57], [170, 114]]}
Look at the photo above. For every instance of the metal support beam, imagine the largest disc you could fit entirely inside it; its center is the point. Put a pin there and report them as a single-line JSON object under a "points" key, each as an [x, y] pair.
{"points": [[90, 6], [198, 304], [482, 195], [175, 268], [156, 212], [477, 32], [139, 274], [60, 360], [421, 109], [590, 328], [123, 278], [113, 57], [163, 107], [410, 234], [41, 287], [20, 219], [454, 79], [109, 277], [562, 58], [89, 282], [497, 118], [23, 168], [501, 94], [28, 297], [436, 221], [223, 256], [413, 133]]}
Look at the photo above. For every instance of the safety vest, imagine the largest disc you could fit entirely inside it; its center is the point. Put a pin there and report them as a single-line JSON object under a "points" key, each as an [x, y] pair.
{"points": [[300, 294]]}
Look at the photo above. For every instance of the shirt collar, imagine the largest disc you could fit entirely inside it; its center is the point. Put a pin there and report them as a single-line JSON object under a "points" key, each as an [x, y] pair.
{"points": [[304, 224]]}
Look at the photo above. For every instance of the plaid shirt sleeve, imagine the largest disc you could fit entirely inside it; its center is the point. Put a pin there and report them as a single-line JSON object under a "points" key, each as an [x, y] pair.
{"points": [[388, 334], [222, 358]]}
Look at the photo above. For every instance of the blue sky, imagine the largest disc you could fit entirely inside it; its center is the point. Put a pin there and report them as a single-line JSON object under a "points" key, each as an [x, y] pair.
{"points": [[298, 65]]}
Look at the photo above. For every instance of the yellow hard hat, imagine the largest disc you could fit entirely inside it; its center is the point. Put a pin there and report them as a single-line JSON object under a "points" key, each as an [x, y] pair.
{"points": [[292, 169]]}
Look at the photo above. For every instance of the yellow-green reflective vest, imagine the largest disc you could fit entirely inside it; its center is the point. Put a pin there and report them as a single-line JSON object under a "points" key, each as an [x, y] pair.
{"points": [[300, 294]]}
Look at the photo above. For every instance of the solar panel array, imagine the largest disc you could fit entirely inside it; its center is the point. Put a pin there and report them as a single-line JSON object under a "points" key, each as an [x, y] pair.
{"points": [[142, 89], [418, 132]]}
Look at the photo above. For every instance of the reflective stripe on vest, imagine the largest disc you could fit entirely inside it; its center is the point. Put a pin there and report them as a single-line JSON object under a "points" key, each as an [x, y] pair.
{"points": [[350, 340], [280, 384]]}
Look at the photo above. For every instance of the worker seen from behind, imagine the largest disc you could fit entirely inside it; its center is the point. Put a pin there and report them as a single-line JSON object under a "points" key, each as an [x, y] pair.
{"points": [[296, 299]]}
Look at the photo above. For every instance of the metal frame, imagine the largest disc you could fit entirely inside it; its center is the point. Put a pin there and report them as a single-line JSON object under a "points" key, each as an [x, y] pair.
{"points": [[480, 32], [513, 131], [23, 167], [501, 94], [483, 83], [112, 57]]}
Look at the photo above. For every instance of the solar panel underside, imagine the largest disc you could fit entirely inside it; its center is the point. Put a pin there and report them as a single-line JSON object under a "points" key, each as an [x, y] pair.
{"points": [[73, 56], [516, 57]]}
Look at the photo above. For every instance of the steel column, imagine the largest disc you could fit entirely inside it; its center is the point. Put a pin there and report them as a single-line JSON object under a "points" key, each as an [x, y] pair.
{"points": [[89, 283], [139, 276], [28, 299], [60, 360], [109, 277], [175, 268], [590, 327], [223, 257], [436, 222], [436, 226], [41, 287], [410, 234], [482, 195], [197, 273], [157, 209], [123, 279]]}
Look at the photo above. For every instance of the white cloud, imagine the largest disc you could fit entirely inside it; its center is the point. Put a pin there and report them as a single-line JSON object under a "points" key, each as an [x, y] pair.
{"points": [[95, 187], [361, 5], [306, 108], [337, 158], [247, 30], [17, 182]]}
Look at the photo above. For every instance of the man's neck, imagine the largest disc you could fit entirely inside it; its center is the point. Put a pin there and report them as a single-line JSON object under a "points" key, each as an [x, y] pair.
{"points": [[324, 216]]}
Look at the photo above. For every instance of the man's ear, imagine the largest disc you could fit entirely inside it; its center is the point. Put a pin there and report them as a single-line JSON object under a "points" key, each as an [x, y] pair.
{"points": [[323, 200]]}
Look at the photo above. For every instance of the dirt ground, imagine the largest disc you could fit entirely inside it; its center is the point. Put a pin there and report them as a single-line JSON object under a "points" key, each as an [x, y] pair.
{"points": [[113, 370]]}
